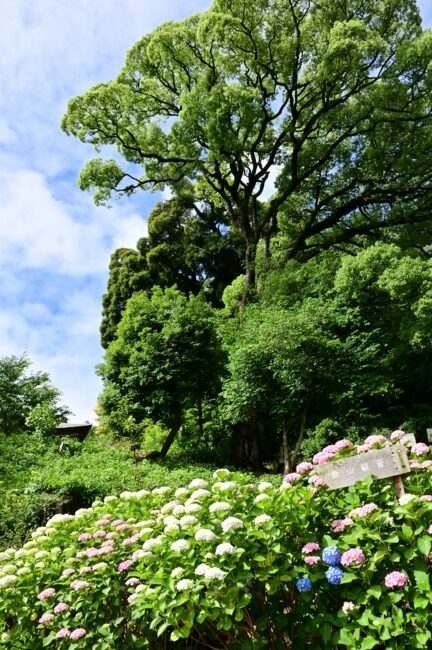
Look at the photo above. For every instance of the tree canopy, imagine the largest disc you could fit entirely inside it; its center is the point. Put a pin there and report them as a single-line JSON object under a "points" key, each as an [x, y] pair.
{"points": [[335, 97], [21, 391]]}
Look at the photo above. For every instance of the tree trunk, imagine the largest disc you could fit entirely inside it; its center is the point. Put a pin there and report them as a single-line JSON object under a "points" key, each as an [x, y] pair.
{"points": [[244, 446], [296, 449], [200, 419], [250, 255], [170, 437], [285, 446]]}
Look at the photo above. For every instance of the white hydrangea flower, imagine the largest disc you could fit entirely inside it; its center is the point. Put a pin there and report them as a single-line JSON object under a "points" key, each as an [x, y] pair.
{"points": [[9, 568], [219, 506], [42, 538], [192, 507], [225, 549], [181, 492], [23, 571], [97, 503], [143, 524], [82, 512], [179, 510], [180, 545], [151, 543], [201, 569], [199, 494], [21, 552], [261, 497], [261, 519], [184, 585], [171, 529], [145, 531], [231, 523], [127, 495], [142, 493], [221, 474], [40, 554], [197, 483], [100, 566], [265, 485], [29, 544], [55, 550], [176, 572], [213, 573], [225, 486], [51, 531], [161, 490], [7, 580], [40, 565], [205, 535], [109, 499], [169, 507], [406, 498], [188, 520]]}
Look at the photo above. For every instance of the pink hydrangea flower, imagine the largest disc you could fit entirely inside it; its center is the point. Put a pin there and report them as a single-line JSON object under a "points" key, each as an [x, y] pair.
{"points": [[363, 511], [132, 582], [292, 478], [322, 457], [361, 449], [375, 440], [46, 618], [310, 547], [343, 444], [426, 497], [339, 525], [317, 481], [111, 535], [425, 464], [46, 593], [100, 533], [63, 633], [395, 579], [310, 560], [130, 540], [396, 435], [79, 633], [302, 468], [84, 537], [353, 556], [117, 522], [122, 527], [67, 572], [330, 449], [61, 607], [420, 449], [430, 530], [79, 584], [102, 522], [124, 566]]}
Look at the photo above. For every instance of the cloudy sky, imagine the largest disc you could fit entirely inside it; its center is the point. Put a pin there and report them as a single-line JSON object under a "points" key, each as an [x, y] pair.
{"points": [[54, 243]]}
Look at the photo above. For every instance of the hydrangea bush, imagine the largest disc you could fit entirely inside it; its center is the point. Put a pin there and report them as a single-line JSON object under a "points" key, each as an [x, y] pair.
{"points": [[224, 563]]}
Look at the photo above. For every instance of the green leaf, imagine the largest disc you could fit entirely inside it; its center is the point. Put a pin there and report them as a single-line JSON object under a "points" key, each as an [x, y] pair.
{"points": [[424, 544], [368, 643], [375, 591], [422, 580], [407, 531]]}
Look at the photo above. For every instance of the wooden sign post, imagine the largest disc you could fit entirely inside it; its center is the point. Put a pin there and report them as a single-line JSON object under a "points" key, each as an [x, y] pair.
{"points": [[381, 463]]}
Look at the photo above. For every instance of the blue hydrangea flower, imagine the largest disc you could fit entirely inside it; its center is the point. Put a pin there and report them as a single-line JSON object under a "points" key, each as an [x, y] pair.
{"points": [[334, 575], [331, 555], [304, 584]]}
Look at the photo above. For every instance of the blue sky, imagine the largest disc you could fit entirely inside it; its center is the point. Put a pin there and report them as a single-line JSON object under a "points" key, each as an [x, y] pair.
{"points": [[54, 243]]}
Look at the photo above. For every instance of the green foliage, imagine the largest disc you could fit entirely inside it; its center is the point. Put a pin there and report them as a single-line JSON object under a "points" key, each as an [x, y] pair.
{"points": [[21, 391], [192, 251], [165, 359], [42, 419], [135, 572]]}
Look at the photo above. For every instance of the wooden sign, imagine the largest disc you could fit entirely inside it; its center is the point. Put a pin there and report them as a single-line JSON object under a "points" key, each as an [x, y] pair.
{"points": [[381, 463]]}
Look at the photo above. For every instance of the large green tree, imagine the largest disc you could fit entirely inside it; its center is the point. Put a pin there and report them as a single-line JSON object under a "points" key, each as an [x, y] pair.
{"points": [[164, 360], [334, 96], [194, 252], [21, 391]]}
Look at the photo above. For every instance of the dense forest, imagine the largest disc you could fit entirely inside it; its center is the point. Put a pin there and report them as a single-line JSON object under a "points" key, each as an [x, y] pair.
{"points": [[282, 294]]}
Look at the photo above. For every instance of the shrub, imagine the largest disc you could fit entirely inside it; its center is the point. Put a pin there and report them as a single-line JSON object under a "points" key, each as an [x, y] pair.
{"points": [[223, 562]]}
